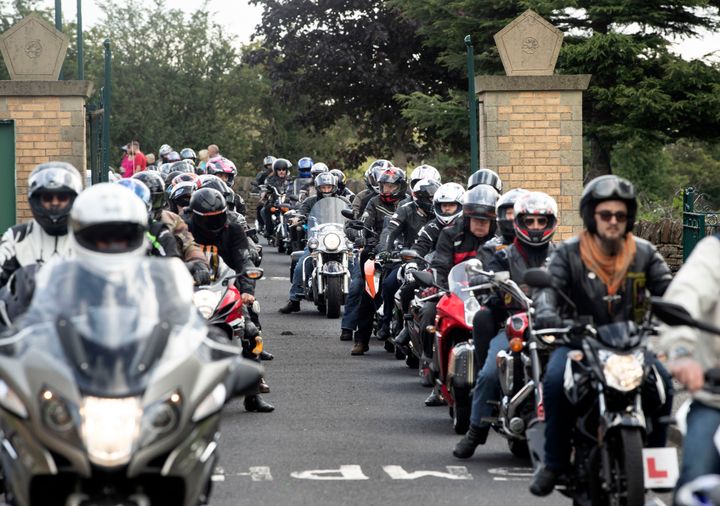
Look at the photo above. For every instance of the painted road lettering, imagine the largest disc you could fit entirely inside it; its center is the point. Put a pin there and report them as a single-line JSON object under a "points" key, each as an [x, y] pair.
{"points": [[343, 473], [453, 473]]}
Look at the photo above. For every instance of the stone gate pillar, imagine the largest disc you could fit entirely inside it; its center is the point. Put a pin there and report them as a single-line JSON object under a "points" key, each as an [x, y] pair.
{"points": [[531, 120]]}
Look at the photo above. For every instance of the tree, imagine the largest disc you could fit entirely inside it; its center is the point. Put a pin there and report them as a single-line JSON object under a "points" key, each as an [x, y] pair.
{"points": [[639, 88], [350, 59]]}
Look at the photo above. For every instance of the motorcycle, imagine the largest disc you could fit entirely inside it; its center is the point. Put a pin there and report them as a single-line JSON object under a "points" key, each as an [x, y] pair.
{"points": [[112, 390], [328, 281], [453, 367], [606, 370], [281, 204]]}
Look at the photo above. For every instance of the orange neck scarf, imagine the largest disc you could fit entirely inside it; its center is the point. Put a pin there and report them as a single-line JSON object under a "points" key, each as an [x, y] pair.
{"points": [[610, 269]]}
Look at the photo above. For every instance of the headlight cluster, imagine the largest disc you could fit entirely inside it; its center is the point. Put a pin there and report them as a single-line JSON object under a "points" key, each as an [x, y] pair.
{"points": [[332, 241], [206, 301], [471, 307], [110, 428], [161, 418], [623, 372]]}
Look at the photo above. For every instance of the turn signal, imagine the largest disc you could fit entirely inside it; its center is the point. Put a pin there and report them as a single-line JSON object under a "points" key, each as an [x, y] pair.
{"points": [[516, 344], [576, 355], [273, 209]]}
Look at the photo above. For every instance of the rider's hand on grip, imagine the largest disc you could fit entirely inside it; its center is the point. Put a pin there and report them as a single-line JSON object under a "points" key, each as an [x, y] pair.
{"points": [[383, 256], [547, 320], [427, 292], [200, 273]]}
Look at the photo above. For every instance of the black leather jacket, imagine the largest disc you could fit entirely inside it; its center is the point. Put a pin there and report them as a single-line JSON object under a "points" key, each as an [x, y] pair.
{"points": [[407, 221], [360, 202], [647, 273], [376, 212], [456, 244], [427, 237]]}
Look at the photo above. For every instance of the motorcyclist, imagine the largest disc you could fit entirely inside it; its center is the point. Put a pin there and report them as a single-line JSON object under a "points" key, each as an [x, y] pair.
{"points": [[457, 243], [485, 176], [190, 252], [260, 178], [606, 272], [52, 188], [406, 222], [180, 196], [208, 221], [190, 155], [691, 353], [279, 179], [225, 170], [421, 172], [392, 186], [163, 153], [535, 222], [325, 187], [371, 182], [343, 190], [305, 165]]}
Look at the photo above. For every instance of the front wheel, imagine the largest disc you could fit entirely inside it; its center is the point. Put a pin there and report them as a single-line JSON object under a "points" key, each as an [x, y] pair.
{"points": [[519, 448], [333, 297], [627, 487], [461, 413]]}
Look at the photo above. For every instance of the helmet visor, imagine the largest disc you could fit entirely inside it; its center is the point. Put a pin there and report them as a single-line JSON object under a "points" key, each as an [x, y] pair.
{"points": [[54, 180], [613, 187]]}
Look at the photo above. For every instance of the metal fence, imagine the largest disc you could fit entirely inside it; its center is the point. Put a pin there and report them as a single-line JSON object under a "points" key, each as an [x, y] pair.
{"points": [[697, 222]]}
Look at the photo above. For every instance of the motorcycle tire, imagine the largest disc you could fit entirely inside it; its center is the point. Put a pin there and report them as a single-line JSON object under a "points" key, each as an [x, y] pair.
{"points": [[280, 246], [626, 460], [333, 297], [519, 448], [399, 355], [412, 361], [461, 411]]}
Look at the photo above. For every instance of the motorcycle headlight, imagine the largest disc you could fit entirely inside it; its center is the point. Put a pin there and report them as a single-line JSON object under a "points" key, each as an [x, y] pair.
{"points": [[160, 418], [206, 301], [10, 401], [471, 307], [56, 413], [623, 372], [214, 401], [313, 243], [110, 428], [331, 241]]}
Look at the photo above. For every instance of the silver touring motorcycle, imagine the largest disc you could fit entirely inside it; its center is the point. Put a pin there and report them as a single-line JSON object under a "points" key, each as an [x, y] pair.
{"points": [[111, 389]]}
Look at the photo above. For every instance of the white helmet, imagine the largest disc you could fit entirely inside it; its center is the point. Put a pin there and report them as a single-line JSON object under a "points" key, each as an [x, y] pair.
{"points": [[449, 193], [107, 225], [424, 172]]}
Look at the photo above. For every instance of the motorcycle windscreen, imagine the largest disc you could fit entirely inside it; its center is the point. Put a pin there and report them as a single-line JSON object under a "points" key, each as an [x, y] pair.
{"points": [[113, 327], [619, 335], [325, 211], [458, 280]]}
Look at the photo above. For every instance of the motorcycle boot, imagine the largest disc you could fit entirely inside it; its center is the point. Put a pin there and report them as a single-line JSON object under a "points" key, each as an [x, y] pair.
{"points": [[426, 373], [474, 437], [266, 355], [263, 387], [543, 481], [255, 403], [359, 348], [292, 306], [346, 335], [434, 399]]}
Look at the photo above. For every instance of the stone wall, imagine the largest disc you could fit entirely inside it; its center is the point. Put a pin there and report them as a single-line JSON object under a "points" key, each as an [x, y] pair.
{"points": [[666, 235]]}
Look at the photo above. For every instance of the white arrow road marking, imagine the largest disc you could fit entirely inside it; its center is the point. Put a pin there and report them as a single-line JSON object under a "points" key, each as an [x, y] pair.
{"points": [[453, 473], [343, 473], [511, 473], [260, 473], [277, 278]]}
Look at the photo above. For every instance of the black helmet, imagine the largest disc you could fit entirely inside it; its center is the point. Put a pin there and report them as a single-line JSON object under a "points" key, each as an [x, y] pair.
{"points": [[423, 193], [485, 176], [505, 202], [182, 166], [209, 210], [480, 203], [212, 181], [326, 179], [282, 164], [180, 196], [340, 176], [53, 178], [157, 190], [605, 188], [393, 175], [189, 154]]}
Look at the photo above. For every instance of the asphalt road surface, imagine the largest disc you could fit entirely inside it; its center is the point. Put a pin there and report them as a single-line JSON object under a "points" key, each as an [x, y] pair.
{"points": [[349, 430]]}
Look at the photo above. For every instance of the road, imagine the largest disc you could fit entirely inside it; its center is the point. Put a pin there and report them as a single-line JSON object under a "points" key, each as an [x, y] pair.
{"points": [[349, 430]]}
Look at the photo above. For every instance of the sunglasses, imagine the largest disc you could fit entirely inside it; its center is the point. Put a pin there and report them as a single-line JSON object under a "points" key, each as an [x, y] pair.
{"points": [[49, 198], [529, 221], [620, 216]]}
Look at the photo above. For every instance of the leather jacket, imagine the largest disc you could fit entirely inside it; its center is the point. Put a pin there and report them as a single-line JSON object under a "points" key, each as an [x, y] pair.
{"points": [[360, 202], [648, 272], [427, 237], [517, 258], [376, 212], [407, 221], [457, 244]]}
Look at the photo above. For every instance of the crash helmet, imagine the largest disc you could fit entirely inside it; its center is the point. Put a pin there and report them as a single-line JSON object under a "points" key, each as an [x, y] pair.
{"points": [[53, 182], [221, 166], [108, 219], [340, 177], [212, 181], [449, 193], [424, 172], [167, 172], [180, 196], [326, 179], [282, 164], [395, 176], [485, 176], [209, 210], [138, 188], [480, 203], [173, 156], [423, 193], [189, 154], [505, 202], [157, 190], [163, 153], [186, 176], [317, 169], [535, 208], [268, 161], [304, 166], [605, 188]]}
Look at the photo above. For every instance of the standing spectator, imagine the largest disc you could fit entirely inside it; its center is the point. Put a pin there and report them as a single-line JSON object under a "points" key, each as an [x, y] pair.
{"points": [[203, 158], [150, 157], [126, 164], [134, 161], [213, 151]]}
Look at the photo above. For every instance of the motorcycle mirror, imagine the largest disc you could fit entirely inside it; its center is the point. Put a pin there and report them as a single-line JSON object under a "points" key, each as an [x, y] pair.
{"points": [[674, 315], [424, 278], [473, 266], [255, 274], [347, 213], [408, 254], [538, 278], [245, 377]]}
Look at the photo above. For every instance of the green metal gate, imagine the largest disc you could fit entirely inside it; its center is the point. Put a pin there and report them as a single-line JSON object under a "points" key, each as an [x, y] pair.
{"points": [[696, 225], [7, 174], [94, 120]]}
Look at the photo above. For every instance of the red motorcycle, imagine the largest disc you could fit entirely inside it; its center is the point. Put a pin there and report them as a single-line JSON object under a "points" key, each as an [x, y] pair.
{"points": [[453, 349]]}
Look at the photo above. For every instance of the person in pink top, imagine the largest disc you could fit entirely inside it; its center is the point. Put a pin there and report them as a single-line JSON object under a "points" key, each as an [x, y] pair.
{"points": [[134, 161]]}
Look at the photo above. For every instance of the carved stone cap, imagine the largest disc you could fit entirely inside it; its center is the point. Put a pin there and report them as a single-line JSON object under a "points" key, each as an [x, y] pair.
{"points": [[33, 50], [529, 45]]}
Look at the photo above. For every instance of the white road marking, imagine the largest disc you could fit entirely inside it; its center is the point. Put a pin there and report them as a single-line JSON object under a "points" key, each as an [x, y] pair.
{"points": [[511, 473], [453, 473], [343, 473], [277, 278], [260, 473]]}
